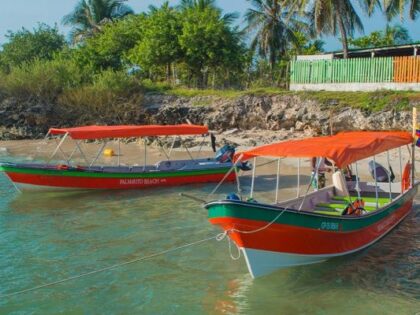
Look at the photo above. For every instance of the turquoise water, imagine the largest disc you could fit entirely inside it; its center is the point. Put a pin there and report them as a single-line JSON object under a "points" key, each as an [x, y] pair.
{"points": [[48, 237]]}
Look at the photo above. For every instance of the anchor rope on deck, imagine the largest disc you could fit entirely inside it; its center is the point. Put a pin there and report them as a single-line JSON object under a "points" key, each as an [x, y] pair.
{"points": [[217, 237]]}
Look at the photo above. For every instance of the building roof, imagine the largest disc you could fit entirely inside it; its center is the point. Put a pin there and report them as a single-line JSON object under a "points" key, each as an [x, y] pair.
{"points": [[384, 51]]}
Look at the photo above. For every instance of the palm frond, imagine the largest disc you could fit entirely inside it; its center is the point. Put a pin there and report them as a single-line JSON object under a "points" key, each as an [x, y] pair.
{"points": [[90, 15]]}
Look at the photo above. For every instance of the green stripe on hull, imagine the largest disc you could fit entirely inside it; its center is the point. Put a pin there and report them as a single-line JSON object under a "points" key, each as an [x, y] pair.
{"points": [[87, 173], [228, 209]]}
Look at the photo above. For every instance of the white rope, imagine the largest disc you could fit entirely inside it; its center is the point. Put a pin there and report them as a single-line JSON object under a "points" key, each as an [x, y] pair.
{"points": [[217, 237], [221, 236]]}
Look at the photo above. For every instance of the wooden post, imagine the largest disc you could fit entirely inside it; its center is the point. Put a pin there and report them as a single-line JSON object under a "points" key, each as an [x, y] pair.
{"points": [[413, 147]]}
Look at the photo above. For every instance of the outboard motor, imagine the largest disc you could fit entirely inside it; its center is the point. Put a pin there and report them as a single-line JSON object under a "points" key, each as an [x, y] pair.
{"points": [[233, 196], [382, 174], [225, 154]]}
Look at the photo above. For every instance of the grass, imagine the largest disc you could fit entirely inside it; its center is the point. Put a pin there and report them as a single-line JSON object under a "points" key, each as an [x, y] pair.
{"points": [[228, 93], [366, 101]]}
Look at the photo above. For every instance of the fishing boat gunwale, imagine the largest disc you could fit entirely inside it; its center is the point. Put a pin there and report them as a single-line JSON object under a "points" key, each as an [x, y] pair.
{"points": [[303, 212]]}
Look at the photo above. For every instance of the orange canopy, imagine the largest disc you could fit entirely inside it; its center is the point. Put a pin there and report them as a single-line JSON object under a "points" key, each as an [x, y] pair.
{"points": [[343, 148], [101, 132]]}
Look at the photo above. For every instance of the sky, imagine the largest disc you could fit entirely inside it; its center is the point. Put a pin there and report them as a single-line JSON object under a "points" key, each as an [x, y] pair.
{"points": [[27, 13]]}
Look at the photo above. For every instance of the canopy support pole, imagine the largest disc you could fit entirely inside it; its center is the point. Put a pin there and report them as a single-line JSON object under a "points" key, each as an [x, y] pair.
{"points": [[226, 175], [317, 166], [298, 179], [357, 182], [389, 177], [163, 149], [413, 147], [201, 147], [317, 174], [172, 147], [277, 181], [58, 147], [99, 153], [71, 155], [254, 166], [47, 135], [238, 183], [62, 152], [401, 169], [186, 149], [119, 152], [413, 161], [376, 182], [145, 154], [81, 152]]}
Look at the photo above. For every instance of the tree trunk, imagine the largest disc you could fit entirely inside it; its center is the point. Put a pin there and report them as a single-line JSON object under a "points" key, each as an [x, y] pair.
{"points": [[168, 72], [272, 64], [343, 36], [174, 76]]}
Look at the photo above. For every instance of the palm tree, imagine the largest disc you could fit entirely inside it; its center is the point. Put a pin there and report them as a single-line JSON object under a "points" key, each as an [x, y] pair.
{"points": [[396, 35], [89, 16], [197, 4], [393, 7], [201, 5], [274, 29], [333, 17]]}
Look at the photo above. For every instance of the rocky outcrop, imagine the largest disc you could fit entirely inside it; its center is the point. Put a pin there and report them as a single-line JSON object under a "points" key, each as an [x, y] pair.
{"points": [[279, 115], [286, 112], [24, 119]]}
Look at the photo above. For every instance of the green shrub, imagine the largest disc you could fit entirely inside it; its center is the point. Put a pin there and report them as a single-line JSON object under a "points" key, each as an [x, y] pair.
{"points": [[117, 82], [113, 98], [156, 87], [108, 48], [25, 46], [42, 79]]}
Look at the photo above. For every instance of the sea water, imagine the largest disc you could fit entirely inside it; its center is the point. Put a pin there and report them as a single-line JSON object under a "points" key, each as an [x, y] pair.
{"points": [[46, 237]]}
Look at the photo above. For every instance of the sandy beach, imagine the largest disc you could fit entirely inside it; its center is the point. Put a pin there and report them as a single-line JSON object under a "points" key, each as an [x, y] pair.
{"points": [[132, 153]]}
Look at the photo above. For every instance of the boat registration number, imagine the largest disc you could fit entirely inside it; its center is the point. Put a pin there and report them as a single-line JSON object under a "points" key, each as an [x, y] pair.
{"points": [[330, 226]]}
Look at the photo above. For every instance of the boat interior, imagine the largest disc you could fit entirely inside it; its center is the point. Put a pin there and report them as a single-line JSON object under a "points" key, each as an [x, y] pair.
{"points": [[166, 165], [334, 199]]}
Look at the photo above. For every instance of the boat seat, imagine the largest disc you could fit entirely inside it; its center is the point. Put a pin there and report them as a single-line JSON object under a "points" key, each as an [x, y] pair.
{"points": [[381, 200], [170, 165], [342, 206], [328, 212]]}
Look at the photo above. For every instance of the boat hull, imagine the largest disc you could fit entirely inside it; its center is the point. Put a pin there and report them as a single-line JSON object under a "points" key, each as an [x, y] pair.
{"points": [[298, 238], [55, 179]]}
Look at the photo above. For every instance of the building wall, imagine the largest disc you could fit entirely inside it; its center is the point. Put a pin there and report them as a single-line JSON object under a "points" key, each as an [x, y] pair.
{"points": [[354, 87], [361, 74]]}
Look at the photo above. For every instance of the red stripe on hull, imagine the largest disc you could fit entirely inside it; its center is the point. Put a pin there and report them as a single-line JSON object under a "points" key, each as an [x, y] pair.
{"points": [[112, 183], [299, 240]]}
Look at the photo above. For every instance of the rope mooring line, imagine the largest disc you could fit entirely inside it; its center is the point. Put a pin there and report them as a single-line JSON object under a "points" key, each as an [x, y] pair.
{"points": [[218, 237], [221, 236]]}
